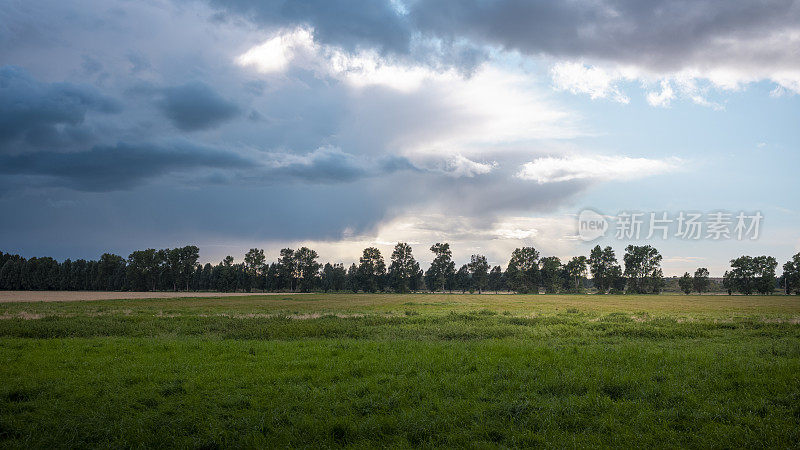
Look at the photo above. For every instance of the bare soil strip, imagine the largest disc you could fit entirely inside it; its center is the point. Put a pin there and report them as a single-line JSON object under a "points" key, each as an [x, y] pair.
{"points": [[76, 296]]}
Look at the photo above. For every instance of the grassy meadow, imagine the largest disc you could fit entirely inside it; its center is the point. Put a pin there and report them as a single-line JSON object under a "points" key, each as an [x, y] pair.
{"points": [[324, 370]]}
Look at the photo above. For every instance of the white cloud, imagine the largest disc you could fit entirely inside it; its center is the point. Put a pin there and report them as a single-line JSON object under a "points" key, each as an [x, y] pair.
{"points": [[490, 111], [516, 228], [367, 68], [662, 98], [788, 81], [508, 108], [460, 166], [557, 169], [691, 83], [440, 119], [277, 53], [579, 78], [600, 82], [297, 47], [689, 87]]}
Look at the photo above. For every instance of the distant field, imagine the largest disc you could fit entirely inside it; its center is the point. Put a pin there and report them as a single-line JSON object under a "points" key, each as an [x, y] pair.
{"points": [[73, 296], [402, 370], [392, 303]]}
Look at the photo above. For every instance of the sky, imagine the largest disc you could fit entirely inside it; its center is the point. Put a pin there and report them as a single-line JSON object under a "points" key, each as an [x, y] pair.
{"points": [[340, 125]]}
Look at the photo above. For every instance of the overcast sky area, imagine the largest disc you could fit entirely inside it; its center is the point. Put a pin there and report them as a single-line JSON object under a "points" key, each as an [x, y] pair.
{"points": [[345, 124]]}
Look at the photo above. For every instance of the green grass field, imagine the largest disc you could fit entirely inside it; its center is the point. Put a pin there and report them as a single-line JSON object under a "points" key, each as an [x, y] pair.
{"points": [[402, 370]]}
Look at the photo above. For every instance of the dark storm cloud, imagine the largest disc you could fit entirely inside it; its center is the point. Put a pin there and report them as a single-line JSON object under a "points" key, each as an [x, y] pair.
{"points": [[482, 196], [380, 25], [391, 164], [123, 166], [255, 177], [70, 224], [347, 23], [662, 33], [324, 165], [33, 111], [299, 115], [332, 165], [195, 106]]}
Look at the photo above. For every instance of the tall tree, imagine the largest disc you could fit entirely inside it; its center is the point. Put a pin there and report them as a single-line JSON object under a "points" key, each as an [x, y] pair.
{"points": [[576, 270], [111, 272], [523, 270], [371, 270], [496, 279], [80, 279], [333, 277], [307, 268], [479, 271], [11, 274], [765, 274], [144, 268], [550, 272], [604, 268], [189, 256], [287, 269], [643, 269], [272, 281], [700, 282], [791, 275], [618, 280], [686, 283], [225, 278], [403, 267], [463, 281], [65, 280], [172, 267], [442, 267], [353, 281], [418, 279], [742, 276], [749, 274], [727, 282], [256, 267], [255, 261]]}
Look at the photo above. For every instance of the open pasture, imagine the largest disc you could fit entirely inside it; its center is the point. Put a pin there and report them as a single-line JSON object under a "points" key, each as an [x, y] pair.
{"points": [[402, 370]]}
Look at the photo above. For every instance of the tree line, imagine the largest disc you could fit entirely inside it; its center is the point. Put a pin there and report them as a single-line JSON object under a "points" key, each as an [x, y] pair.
{"points": [[299, 271]]}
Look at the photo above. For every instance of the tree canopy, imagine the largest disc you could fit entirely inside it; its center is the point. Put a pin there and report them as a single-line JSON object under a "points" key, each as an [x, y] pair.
{"points": [[299, 270]]}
